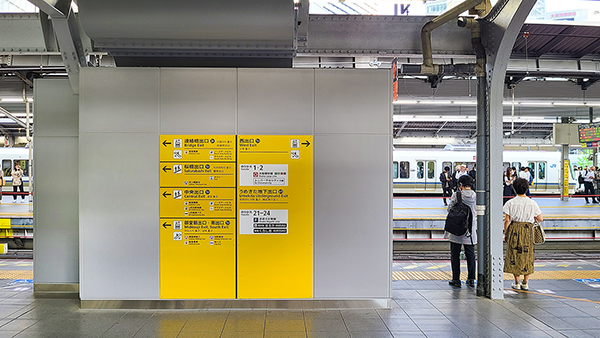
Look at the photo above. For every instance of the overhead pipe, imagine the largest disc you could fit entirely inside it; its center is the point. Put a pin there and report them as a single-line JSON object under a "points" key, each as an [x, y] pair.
{"points": [[428, 68]]}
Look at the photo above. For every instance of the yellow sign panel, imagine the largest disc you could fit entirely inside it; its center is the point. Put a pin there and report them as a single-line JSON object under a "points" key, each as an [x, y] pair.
{"points": [[197, 148], [197, 216], [197, 174], [197, 258], [197, 202], [566, 178], [275, 216]]}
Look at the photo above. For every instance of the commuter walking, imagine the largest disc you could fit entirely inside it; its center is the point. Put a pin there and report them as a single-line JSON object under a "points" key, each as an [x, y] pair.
{"points": [[588, 183], [468, 240], [17, 182], [509, 178], [446, 180], [520, 214]]}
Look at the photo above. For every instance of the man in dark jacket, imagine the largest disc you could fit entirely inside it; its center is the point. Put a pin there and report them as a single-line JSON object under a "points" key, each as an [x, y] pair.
{"points": [[446, 179]]}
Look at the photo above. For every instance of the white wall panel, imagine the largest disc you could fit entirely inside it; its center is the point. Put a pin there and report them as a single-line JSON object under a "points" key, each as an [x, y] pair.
{"points": [[56, 167], [352, 101], [198, 101], [119, 99], [119, 216], [275, 101], [352, 215], [56, 108]]}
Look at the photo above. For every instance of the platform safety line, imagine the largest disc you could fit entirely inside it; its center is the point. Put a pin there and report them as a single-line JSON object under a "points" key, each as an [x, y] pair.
{"points": [[555, 296], [537, 275], [16, 274]]}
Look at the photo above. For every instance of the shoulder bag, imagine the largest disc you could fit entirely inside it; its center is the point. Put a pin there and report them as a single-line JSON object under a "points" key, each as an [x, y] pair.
{"points": [[539, 236]]}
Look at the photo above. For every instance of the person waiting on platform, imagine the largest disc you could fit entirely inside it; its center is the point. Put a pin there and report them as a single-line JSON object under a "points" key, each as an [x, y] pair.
{"points": [[588, 183], [17, 182], [519, 215], [468, 196], [446, 180], [509, 178]]}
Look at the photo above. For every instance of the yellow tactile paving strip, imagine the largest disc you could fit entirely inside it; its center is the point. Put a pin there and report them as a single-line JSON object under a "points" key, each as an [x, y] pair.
{"points": [[16, 274], [444, 275]]}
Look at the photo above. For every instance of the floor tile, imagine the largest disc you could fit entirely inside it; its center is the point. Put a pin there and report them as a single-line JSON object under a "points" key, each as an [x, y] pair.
{"points": [[328, 334], [282, 334], [325, 325], [371, 334]]}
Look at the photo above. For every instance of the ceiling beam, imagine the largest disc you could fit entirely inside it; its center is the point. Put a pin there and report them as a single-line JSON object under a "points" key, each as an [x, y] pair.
{"points": [[560, 37], [590, 48]]}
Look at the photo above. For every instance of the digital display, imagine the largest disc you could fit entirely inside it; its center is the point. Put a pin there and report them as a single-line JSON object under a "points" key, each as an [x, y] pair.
{"points": [[589, 133]]}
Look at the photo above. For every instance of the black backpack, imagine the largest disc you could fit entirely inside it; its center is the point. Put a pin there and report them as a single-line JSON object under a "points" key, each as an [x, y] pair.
{"points": [[460, 218], [580, 179]]}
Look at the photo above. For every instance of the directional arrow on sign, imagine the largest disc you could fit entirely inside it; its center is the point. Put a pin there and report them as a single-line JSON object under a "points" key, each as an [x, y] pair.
{"points": [[306, 143], [165, 143], [165, 168], [165, 194], [165, 225]]}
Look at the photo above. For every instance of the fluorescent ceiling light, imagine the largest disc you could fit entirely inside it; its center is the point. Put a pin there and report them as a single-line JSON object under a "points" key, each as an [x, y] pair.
{"points": [[505, 103], [14, 100]]}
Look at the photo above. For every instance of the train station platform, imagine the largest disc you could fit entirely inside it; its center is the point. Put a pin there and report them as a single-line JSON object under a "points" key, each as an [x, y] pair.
{"points": [[422, 218], [560, 307]]}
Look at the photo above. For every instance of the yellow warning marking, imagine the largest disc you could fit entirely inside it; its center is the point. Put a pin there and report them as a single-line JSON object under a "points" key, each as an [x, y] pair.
{"points": [[437, 266], [538, 264], [411, 267], [539, 275], [563, 265], [16, 214], [23, 264], [16, 274], [555, 296]]}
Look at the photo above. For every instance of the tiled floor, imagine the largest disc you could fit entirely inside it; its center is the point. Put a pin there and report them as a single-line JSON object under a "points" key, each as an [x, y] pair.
{"points": [[552, 308]]}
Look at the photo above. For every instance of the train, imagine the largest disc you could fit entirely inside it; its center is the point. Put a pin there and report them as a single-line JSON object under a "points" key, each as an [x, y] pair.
{"points": [[417, 171], [9, 157]]}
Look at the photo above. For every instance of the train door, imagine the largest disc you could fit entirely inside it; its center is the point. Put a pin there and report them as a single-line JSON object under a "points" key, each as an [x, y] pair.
{"points": [[425, 178], [540, 182]]}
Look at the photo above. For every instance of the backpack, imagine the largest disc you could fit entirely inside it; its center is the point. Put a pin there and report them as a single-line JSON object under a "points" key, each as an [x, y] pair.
{"points": [[580, 179], [459, 221]]}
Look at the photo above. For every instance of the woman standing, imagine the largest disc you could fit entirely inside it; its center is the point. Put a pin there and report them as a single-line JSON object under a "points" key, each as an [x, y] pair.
{"points": [[509, 178], [468, 240], [520, 214], [17, 182]]}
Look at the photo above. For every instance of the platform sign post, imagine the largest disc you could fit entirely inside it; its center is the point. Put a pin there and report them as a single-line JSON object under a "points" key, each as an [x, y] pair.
{"points": [[275, 216], [197, 216]]}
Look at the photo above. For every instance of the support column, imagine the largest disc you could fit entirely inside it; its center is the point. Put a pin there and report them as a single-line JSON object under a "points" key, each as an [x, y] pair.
{"points": [[499, 32]]}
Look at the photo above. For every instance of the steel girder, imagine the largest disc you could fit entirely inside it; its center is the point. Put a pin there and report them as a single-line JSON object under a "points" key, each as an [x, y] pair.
{"points": [[499, 32]]}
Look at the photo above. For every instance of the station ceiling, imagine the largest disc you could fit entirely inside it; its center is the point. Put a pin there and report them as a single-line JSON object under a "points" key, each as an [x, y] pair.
{"points": [[550, 63]]}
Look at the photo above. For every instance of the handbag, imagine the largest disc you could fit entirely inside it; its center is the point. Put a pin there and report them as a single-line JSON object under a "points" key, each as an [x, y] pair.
{"points": [[539, 236]]}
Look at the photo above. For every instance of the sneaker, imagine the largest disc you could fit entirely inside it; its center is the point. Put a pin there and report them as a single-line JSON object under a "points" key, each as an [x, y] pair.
{"points": [[471, 282], [516, 286], [524, 286], [22, 201], [455, 283]]}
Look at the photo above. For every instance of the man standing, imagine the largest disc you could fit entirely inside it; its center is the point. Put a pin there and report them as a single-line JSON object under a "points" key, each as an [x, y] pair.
{"points": [[588, 182], [446, 180]]}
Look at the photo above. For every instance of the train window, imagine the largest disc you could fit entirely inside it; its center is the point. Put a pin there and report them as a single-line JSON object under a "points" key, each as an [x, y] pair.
{"points": [[430, 170], [395, 170], [6, 167], [447, 164], [420, 169], [541, 170], [404, 169], [517, 165], [24, 166], [505, 166], [470, 166]]}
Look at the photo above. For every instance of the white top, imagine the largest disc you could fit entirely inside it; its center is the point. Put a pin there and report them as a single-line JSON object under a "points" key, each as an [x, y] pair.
{"points": [[522, 209], [588, 176], [525, 175]]}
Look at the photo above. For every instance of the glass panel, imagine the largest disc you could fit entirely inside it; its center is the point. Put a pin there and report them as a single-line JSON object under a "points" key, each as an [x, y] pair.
{"points": [[505, 166], [395, 170], [517, 165], [531, 166], [430, 170], [542, 170], [470, 166], [447, 164], [420, 169], [24, 166], [6, 167], [404, 170]]}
